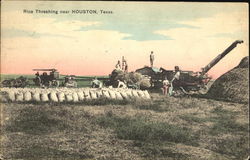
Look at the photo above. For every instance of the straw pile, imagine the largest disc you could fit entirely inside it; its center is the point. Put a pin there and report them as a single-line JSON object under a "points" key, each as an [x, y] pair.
{"points": [[130, 78], [233, 85]]}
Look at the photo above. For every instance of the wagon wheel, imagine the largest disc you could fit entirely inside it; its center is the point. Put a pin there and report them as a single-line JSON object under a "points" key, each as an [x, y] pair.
{"points": [[38, 81], [46, 83], [55, 83]]}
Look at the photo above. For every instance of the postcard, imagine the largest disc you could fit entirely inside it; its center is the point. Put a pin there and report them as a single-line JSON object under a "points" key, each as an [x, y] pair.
{"points": [[124, 80]]}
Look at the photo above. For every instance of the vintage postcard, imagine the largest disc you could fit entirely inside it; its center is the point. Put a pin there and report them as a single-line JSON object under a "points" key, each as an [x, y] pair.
{"points": [[124, 80]]}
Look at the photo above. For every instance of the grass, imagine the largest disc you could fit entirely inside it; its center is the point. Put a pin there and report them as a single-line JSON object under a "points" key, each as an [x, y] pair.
{"points": [[89, 102], [151, 137], [159, 150], [36, 121], [158, 105], [192, 118], [34, 125], [165, 104], [141, 129], [10, 76], [224, 122], [154, 139], [238, 147], [42, 152], [116, 128]]}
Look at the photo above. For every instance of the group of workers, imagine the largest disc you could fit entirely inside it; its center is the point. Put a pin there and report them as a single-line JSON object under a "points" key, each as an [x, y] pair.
{"points": [[122, 66], [174, 83], [168, 86], [42, 79], [98, 84]]}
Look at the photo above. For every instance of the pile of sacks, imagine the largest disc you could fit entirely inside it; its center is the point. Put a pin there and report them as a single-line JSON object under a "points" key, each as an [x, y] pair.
{"points": [[69, 95]]}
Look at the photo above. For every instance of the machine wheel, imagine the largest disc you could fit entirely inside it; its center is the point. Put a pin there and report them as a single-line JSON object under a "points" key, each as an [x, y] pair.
{"points": [[55, 83], [38, 81], [203, 90]]}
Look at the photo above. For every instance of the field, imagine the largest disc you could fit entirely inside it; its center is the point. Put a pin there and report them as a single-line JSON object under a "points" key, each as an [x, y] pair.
{"points": [[161, 128], [82, 81]]}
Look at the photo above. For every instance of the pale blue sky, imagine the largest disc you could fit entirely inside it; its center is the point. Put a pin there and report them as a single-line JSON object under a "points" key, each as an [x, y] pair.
{"points": [[139, 20], [185, 34]]}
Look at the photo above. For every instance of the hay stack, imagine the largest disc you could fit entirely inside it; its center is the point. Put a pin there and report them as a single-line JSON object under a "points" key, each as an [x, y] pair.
{"points": [[233, 85], [130, 78]]}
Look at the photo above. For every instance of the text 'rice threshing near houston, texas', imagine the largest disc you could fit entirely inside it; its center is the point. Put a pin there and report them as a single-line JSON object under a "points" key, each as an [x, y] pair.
{"points": [[125, 81]]}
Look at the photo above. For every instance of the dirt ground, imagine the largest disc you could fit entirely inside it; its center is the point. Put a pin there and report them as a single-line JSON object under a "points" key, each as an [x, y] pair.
{"points": [[162, 128]]}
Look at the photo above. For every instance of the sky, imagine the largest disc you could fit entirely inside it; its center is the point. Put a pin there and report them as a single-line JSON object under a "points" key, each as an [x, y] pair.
{"points": [[187, 34]]}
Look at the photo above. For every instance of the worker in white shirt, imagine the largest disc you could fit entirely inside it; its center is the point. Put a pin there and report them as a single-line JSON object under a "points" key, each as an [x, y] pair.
{"points": [[176, 80]]}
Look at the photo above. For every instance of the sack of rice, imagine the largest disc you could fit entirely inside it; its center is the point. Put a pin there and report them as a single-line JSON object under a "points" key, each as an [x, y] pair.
{"points": [[129, 93], [86, 94], [19, 96], [36, 97], [69, 97], [61, 96], [135, 94], [12, 97], [53, 97], [44, 97], [146, 94], [80, 95], [75, 97], [27, 96], [112, 94], [99, 94], [93, 94], [105, 94], [118, 95], [3, 96], [141, 94], [124, 95]]}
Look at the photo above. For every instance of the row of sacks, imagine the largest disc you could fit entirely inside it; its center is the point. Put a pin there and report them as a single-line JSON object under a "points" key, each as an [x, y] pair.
{"points": [[40, 95]]}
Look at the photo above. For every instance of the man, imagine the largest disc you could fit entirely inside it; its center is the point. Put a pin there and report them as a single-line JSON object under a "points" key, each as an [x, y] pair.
{"points": [[176, 80], [152, 58], [123, 63], [96, 83], [121, 84], [126, 67], [118, 65]]}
